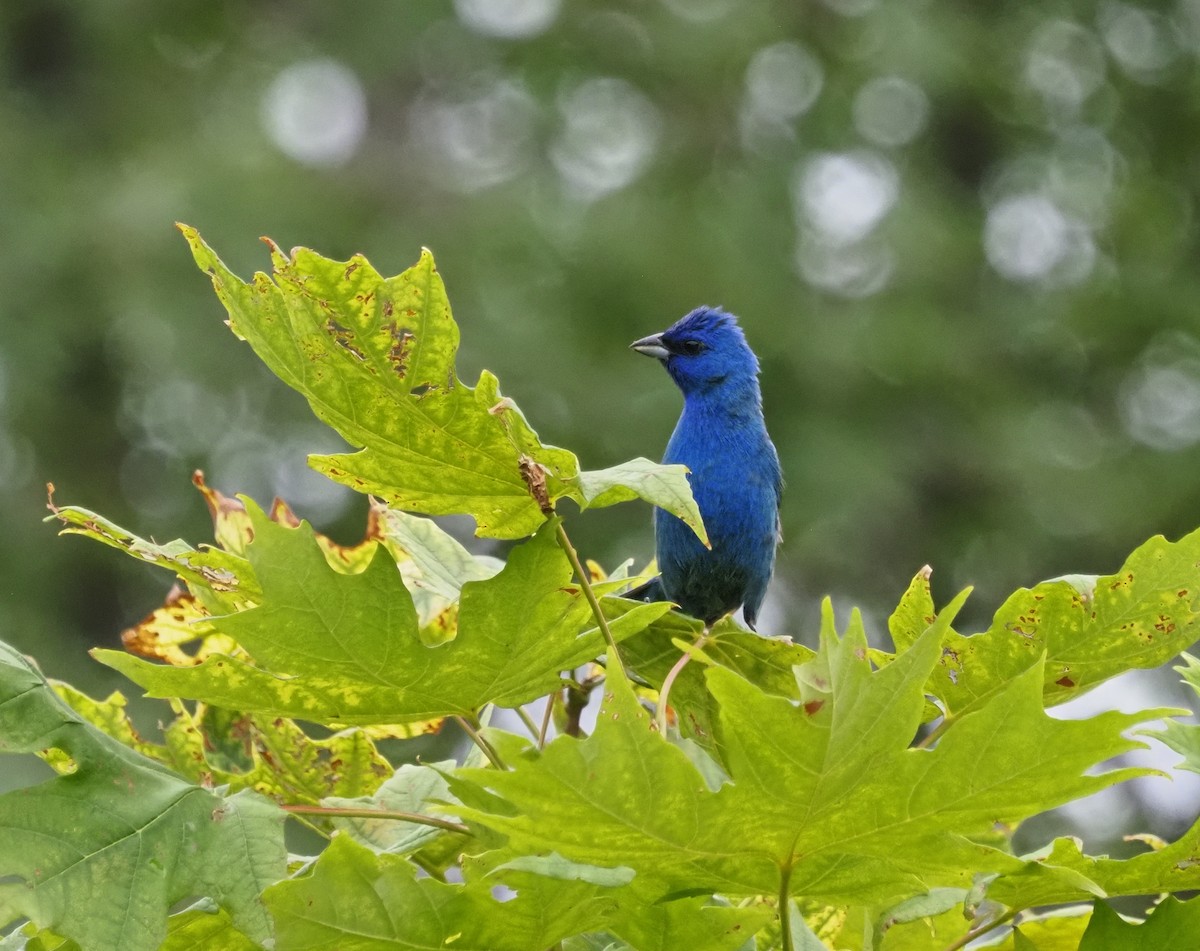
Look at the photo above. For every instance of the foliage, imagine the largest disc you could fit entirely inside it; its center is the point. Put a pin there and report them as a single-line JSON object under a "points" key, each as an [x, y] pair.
{"points": [[842, 798]]}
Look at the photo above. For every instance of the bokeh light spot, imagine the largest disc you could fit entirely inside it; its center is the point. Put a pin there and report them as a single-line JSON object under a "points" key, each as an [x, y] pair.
{"points": [[852, 8], [783, 81], [610, 132], [1065, 64], [845, 195], [508, 19], [1160, 397], [890, 111], [700, 11], [1028, 238], [1138, 39], [476, 141], [315, 112], [854, 271]]}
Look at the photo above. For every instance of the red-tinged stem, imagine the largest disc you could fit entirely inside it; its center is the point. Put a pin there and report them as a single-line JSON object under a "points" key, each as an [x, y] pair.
{"points": [[674, 672]]}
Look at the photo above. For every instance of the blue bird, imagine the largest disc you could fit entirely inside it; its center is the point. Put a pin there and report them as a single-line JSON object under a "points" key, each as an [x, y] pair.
{"points": [[734, 472]]}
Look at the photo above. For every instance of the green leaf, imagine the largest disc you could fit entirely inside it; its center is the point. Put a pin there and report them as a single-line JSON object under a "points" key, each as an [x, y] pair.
{"points": [[663, 485], [829, 794], [355, 900], [31, 938], [1090, 629], [914, 613], [1059, 929], [693, 924], [768, 662], [555, 866], [408, 790], [375, 358], [100, 855], [1171, 924], [1184, 738], [439, 563], [200, 930], [345, 648], [931, 904], [1172, 868]]}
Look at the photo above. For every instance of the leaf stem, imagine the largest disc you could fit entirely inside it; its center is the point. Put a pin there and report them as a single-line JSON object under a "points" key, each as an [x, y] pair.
{"points": [[551, 700], [982, 930], [527, 720], [660, 715], [785, 911], [581, 573], [415, 817], [935, 733], [479, 740], [427, 867]]}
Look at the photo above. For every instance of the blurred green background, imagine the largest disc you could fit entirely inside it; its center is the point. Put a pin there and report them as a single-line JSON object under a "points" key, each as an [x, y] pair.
{"points": [[961, 236]]}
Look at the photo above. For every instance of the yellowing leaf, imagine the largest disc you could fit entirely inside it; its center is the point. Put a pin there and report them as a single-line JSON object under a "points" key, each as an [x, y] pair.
{"points": [[341, 648], [375, 358]]}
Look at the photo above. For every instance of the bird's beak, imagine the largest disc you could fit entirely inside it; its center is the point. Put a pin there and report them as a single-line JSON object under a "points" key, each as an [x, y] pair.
{"points": [[651, 346]]}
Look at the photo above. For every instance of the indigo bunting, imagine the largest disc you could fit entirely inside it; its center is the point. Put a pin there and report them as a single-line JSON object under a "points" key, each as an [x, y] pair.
{"points": [[734, 472]]}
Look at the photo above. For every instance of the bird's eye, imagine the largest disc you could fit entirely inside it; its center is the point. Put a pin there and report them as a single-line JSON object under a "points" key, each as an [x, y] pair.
{"points": [[691, 347]]}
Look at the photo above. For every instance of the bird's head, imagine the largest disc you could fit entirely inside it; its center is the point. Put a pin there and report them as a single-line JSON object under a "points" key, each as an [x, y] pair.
{"points": [[702, 350]]}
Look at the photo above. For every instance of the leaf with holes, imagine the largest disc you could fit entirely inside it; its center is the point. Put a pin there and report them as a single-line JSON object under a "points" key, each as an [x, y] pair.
{"points": [[1089, 628], [375, 358]]}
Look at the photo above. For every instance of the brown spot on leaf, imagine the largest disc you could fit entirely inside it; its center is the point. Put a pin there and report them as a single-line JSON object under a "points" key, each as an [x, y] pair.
{"points": [[344, 338], [401, 350], [812, 706], [1065, 681], [350, 269]]}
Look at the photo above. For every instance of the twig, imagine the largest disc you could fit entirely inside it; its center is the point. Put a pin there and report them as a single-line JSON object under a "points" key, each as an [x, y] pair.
{"points": [[415, 817], [577, 700]]}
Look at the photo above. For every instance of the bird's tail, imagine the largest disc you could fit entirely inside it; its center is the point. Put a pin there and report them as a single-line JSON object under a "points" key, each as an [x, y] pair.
{"points": [[651, 590]]}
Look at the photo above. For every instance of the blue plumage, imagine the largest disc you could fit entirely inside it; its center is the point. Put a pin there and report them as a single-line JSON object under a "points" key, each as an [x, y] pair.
{"points": [[734, 471]]}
